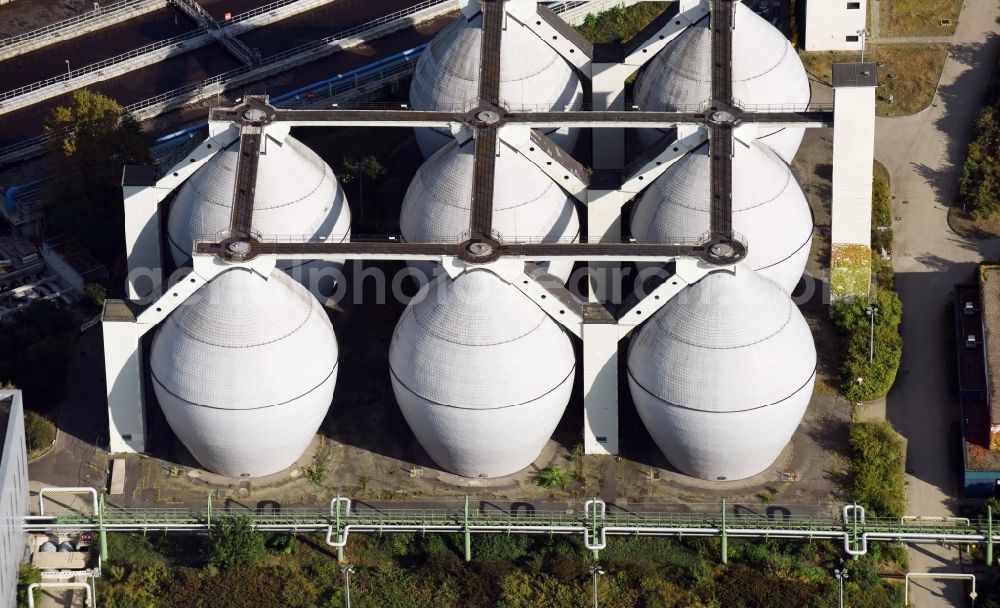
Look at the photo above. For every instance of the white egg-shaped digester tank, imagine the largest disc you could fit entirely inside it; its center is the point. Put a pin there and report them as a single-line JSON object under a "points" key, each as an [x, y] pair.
{"points": [[244, 372], [527, 204], [481, 374], [766, 72], [722, 375], [532, 77], [297, 195], [769, 209]]}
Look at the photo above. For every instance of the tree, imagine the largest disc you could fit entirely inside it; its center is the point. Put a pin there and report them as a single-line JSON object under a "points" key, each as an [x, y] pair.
{"points": [[235, 542], [95, 294], [35, 349], [94, 138]]}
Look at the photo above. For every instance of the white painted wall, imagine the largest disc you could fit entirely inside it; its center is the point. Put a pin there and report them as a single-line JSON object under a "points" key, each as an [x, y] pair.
{"points": [[853, 154], [123, 373], [830, 22], [13, 499]]}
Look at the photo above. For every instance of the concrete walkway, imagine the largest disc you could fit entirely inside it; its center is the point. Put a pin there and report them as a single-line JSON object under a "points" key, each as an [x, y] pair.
{"points": [[923, 154]]}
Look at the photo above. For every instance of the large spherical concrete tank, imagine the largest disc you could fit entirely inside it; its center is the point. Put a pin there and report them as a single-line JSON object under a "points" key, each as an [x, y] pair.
{"points": [[481, 374], [532, 77], [297, 195], [527, 204], [766, 72], [244, 372], [722, 375], [769, 210]]}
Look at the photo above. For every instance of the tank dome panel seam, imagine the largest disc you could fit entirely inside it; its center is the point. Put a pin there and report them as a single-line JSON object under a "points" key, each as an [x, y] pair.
{"points": [[547, 392], [245, 409], [728, 411]]}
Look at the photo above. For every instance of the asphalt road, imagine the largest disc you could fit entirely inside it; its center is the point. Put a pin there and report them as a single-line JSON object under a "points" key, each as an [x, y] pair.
{"points": [[923, 154]]}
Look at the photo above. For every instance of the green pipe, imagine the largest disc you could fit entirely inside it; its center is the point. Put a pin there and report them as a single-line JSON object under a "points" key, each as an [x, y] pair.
{"points": [[725, 541], [989, 535], [593, 527], [468, 533], [103, 535], [340, 550]]}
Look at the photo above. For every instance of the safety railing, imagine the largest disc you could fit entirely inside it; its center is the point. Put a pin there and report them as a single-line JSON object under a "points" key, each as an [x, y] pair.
{"points": [[612, 517], [356, 30], [260, 10], [104, 63], [185, 92], [100, 11]]}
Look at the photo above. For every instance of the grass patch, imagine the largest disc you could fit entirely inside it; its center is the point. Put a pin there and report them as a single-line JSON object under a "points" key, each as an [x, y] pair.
{"points": [[877, 451], [909, 75], [918, 17], [618, 24]]}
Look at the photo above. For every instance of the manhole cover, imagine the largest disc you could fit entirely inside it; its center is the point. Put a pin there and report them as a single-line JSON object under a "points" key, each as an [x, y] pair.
{"points": [[897, 218], [906, 202]]}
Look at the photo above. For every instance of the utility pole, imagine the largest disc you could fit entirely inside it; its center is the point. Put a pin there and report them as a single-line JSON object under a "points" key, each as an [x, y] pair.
{"points": [[872, 311], [347, 570], [841, 575], [594, 572]]}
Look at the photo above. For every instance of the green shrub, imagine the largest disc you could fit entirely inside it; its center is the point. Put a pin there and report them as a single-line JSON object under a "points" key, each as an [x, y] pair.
{"points": [[235, 542], [881, 199], [619, 24], [877, 453], [27, 575], [500, 547], [553, 476], [979, 184], [886, 349], [39, 432]]}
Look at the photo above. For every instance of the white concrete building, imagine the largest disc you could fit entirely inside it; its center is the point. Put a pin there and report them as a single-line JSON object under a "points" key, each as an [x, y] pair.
{"points": [[835, 25], [13, 493]]}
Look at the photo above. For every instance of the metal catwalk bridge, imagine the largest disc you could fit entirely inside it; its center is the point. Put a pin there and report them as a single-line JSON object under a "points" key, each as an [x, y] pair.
{"points": [[595, 522]]}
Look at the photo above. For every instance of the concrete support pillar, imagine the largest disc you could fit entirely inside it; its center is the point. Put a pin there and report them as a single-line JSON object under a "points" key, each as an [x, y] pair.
{"points": [[142, 231], [600, 381], [123, 374], [608, 92], [853, 156], [600, 333]]}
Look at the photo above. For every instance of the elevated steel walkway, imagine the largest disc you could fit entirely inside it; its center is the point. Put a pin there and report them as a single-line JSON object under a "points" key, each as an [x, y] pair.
{"points": [[594, 522]]}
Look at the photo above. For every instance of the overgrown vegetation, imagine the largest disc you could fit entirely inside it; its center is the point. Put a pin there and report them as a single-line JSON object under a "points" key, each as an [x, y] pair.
{"points": [[878, 482], [979, 185], [39, 433], [413, 571], [620, 24], [101, 139], [553, 477], [234, 542], [35, 351], [908, 73], [27, 575], [872, 349]]}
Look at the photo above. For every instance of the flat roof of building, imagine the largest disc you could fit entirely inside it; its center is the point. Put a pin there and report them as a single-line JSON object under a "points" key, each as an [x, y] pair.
{"points": [[989, 285], [855, 74]]}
